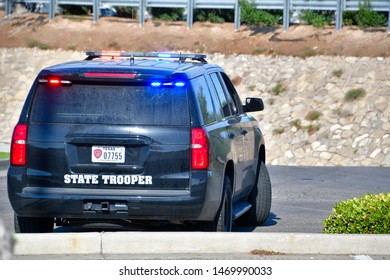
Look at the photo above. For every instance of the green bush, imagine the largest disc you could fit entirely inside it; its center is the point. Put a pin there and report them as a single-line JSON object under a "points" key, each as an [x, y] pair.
{"points": [[167, 14], [317, 19], [252, 16], [365, 16], [37, 44], [354, 94], [367, 215], [214, 15]]}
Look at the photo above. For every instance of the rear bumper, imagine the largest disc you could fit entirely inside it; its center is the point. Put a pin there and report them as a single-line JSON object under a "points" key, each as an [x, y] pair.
{"points": [[193, 203]]}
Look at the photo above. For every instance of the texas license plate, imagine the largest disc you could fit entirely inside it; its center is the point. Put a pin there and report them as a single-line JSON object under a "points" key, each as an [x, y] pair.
{"points": [[108, 154]]}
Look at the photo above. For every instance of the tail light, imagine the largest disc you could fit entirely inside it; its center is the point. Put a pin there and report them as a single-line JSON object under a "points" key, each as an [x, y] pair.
{"points": [[199, 149], [18, 145]]}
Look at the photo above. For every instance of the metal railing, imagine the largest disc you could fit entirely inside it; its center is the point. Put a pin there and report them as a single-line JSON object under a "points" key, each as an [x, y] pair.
{"points": [[339, 6]]}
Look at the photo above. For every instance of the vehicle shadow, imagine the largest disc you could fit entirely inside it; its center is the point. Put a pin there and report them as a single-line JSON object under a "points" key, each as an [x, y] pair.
{"points": [[271, 221], [156, 226]]}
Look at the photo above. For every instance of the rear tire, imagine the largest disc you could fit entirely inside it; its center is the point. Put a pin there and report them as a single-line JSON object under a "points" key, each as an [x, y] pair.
{"points": [[33, 224], [260, 198], [224, 219]]}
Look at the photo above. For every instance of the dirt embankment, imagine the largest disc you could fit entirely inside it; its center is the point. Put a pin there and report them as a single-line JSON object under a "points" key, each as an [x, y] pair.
{"points": [[80, 33]]}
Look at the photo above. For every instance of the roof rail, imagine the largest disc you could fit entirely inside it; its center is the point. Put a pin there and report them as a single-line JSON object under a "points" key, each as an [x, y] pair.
{"points": [[114, 54]]}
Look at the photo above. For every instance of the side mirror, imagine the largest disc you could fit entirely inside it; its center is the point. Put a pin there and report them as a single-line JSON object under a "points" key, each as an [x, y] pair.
{"points": [[253, 105]]}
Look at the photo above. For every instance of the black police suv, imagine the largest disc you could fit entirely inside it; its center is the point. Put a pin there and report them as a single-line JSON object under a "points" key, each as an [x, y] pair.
{"points": [[122, 137]]}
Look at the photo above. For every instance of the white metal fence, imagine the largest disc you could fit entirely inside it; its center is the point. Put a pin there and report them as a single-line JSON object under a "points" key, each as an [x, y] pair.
{"points": [[339, 6]]}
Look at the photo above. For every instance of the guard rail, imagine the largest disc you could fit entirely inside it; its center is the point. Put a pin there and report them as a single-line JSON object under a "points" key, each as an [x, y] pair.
{"points": [[339, 6]]}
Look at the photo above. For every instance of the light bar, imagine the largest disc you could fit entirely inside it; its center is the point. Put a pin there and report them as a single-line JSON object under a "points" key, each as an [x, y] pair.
{"points": [[155, 84], [167, 84], [55, 82], [180, 56]]}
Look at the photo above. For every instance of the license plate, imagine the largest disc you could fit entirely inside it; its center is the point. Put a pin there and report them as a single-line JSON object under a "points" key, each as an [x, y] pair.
{"points": [[108, 154]]}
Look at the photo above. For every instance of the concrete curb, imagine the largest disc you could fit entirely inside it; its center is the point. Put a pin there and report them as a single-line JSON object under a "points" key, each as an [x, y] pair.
{"points": [[199, 242]]}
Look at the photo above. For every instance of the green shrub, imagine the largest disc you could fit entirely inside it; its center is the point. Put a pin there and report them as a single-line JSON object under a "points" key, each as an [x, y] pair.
{"points": [[354, 94], [368, 214], [365, 16], [214, 15], [317, 19], [313, 115], [214, 18], [338, 73], [279, 88], [252, 16], [167, 14], [37, 44]]}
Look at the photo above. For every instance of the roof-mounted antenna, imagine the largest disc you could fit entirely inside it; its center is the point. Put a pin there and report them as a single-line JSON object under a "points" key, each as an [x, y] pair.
{"points": [[181, 58], [132, 60]]}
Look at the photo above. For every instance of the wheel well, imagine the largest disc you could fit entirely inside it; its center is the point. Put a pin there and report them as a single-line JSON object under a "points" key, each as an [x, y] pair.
{"points": [[262, 156], [229, 171]]}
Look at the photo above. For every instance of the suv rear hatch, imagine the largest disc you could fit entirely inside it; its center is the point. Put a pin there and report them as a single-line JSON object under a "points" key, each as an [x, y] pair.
{"points": [[98, 137]]}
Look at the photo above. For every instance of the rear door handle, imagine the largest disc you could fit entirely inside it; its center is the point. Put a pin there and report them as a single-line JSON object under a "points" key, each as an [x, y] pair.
{"points": [[244, 132]]}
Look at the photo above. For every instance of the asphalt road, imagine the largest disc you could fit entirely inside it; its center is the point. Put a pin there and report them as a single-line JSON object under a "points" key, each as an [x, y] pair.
{"points": [[303, 197]]}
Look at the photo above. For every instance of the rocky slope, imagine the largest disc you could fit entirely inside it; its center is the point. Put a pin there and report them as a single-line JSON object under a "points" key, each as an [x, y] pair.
{"points": [[307, 120]]}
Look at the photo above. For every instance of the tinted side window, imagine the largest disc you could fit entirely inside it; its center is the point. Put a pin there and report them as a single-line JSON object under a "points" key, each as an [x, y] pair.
{"points": [[237, 105], [202, 94], [225, 108]]}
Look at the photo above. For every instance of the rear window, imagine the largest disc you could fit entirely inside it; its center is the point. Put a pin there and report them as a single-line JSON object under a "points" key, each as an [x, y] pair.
{"points": [[111, 104]]}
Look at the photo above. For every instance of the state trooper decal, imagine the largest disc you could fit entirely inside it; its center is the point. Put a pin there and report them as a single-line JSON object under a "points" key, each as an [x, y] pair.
{"points": [[92, 179]]}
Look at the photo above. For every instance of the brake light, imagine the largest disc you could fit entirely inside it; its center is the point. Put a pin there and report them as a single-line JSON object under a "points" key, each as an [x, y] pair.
{"points": [[54, 82], [199, 149], [110, 75], [18, 145]]}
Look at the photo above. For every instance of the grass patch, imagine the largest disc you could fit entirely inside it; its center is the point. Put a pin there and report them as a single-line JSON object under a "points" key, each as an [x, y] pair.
{"points": [[354, 94], [278, 131], [37, 44], [279, 88], [72, 48], [297, 124], [258, 51], [114, 45], [313, 115], [308, 52], [4, 155], [251, 87], [312, 128], [337, 73], [271, 101]]}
